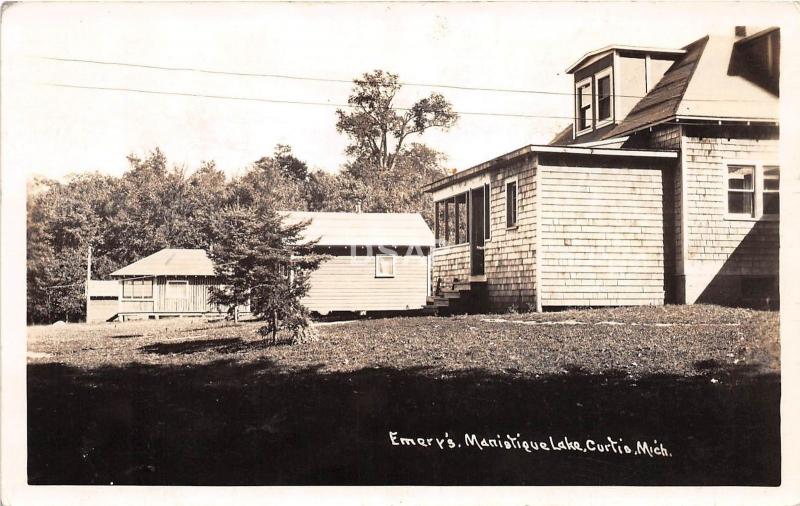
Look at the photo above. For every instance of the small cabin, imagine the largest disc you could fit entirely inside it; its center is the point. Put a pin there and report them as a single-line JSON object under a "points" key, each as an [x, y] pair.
{"points": [[168, 283], [376, 261]]}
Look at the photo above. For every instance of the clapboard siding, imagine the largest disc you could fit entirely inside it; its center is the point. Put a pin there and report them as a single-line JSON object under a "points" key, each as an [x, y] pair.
{"points": [[602, 236], [348, 283], [510, 254]]}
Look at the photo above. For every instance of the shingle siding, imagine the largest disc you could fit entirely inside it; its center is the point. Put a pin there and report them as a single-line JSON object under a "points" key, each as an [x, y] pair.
{"points": [[510, 253], [450, 263], [602, 236], [723, 253]]}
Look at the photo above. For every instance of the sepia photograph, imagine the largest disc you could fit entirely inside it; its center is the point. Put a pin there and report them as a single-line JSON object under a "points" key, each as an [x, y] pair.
{"points": [[395, 244]]}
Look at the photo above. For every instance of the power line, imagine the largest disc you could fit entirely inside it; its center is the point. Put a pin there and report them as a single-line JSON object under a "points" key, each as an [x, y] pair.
{"points": [[277, 101], [350, 81]]}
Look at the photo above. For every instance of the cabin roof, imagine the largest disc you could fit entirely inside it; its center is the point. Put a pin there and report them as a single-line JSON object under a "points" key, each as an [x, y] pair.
{"points": [[363, 229], [170, 262]]}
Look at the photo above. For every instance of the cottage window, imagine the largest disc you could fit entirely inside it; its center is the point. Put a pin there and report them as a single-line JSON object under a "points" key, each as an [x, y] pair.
{"points": [[462, 218], [487, 221], [584, 105], [137, 288], [177, 290], [384, 266], [770, 194], [741, 189], [604, 98], [452, 220], [753, 190], [511, 204]]}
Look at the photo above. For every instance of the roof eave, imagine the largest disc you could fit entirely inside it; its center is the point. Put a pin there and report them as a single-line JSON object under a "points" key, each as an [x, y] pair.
{"points": [[532, 149], [608, 49], [696, 120]]}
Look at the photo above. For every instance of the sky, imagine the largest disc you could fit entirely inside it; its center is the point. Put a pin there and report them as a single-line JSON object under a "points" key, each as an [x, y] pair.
{"points": [[54, 130]]}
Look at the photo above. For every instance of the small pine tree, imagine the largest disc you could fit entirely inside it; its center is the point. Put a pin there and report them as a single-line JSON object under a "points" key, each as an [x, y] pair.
{"points": [[263, 261]]}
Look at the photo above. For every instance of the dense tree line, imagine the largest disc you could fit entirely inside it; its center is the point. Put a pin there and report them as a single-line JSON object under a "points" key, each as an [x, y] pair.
{"points": [[154, 205]]}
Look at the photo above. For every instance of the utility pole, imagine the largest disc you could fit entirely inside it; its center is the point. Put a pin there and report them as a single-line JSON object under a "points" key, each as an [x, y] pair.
{"points": [[88, 278]]}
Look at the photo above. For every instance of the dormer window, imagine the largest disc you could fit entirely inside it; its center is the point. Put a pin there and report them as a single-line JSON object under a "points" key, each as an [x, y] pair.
{"points": [[584, 105], [603, 96]]}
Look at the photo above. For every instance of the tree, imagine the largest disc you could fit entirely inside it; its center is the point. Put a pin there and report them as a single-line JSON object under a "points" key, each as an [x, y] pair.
{"points": [[400, 190], [377, 129], [276, 182], [260, 260], [288, 164]]}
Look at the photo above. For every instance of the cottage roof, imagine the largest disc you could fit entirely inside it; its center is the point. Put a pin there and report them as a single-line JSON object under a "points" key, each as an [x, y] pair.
{"points": [[699, 86], [170, 262], [639, 50], [363, 229]]}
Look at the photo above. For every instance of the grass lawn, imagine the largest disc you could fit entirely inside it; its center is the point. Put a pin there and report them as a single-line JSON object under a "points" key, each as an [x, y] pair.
{"points": [[191, 402]]}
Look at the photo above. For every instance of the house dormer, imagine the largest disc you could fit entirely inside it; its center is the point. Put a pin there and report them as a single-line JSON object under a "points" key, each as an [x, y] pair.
{"points": [[610, 81]]}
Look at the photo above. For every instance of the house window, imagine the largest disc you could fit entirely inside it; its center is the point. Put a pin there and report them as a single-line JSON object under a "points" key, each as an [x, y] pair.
{"points": [[584, 104], [452, 220], [462, 218], [384, 266], [741, 189], [770, 195], [753, 190], [511, 204], [604, 98], [487, 221], [177, 290], [137, 288]]}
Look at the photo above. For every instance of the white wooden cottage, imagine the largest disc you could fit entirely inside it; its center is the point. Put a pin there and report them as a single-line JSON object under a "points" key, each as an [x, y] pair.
{"points": [[377, 262], [664, 189]]}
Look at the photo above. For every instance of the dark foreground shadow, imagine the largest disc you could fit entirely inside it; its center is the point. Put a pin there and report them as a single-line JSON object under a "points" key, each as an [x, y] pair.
{"points": [[227, 423]]}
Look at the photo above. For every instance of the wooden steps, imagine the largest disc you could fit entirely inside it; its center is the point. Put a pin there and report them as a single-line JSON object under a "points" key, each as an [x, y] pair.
{"points": [[459, 297]]}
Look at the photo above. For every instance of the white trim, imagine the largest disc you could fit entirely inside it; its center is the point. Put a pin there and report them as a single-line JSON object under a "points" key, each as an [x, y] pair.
{"points": [[607, 72], [758, 188], [608, 151], [508, 181], [377, 262], [461, 187], [176, 282], [650, 50], [152, 289], [684, 225], [578, 85], [601, 143], [537, 240]]}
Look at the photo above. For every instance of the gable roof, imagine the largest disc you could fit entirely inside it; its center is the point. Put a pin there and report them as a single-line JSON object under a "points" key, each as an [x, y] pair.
{"points": [[363, 229], [699, 86], [663, 100], [599, 53], [170, 262]]}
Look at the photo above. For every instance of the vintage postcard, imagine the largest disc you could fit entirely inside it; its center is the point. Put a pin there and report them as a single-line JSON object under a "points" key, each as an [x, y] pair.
{"points": [[380, 252]]}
